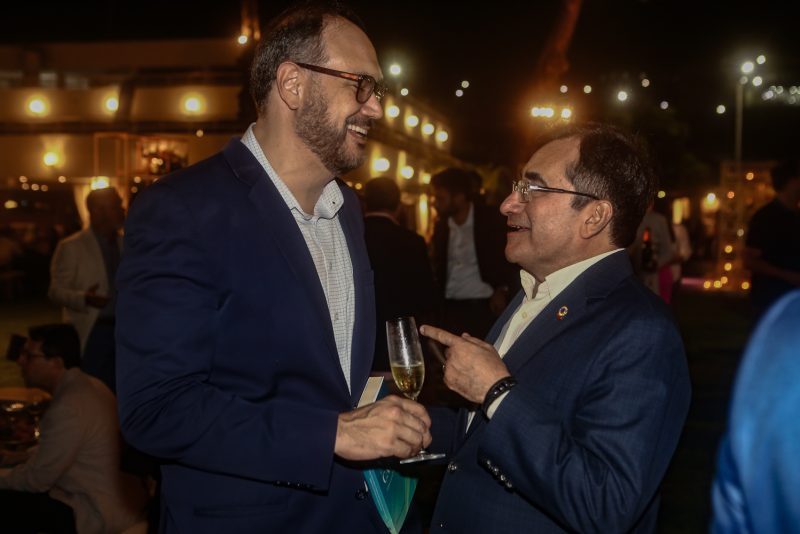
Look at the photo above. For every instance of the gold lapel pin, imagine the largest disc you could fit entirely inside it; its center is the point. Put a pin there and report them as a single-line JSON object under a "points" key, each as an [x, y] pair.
{"points": [[562, 312]]}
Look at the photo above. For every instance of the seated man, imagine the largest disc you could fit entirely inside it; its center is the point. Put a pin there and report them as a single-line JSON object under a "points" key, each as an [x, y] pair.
{"points": [[71, 481]]}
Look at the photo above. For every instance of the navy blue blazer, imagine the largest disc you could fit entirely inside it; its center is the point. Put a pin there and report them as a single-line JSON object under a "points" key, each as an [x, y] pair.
{"points": [[227, 363], [582, 442]]}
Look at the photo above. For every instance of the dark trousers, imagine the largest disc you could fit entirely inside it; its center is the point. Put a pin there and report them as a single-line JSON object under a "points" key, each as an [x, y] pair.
{"points": [[99, 355], [469, 315], [31, 513]]}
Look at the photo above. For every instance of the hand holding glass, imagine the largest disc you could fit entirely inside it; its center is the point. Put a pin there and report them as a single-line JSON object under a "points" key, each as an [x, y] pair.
{"points": [[408, 366]]}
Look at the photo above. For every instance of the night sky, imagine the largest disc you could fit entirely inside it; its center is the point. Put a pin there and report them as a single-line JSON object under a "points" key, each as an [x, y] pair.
{"points": [[690, 54]]}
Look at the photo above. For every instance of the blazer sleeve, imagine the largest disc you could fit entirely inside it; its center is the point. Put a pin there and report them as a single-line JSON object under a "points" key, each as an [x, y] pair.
{"points": [[170, 404], [63, 270], [597, 470]]}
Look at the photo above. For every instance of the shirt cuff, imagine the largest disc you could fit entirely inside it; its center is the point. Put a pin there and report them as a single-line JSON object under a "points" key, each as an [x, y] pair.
{"points": [[496, 404]]}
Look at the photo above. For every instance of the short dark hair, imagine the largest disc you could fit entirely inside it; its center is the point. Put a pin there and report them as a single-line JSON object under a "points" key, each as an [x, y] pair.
{"points": [[381, 194], [96, 197], [294, 35], [783, 173], [615, 166], [58, 340], [456, 181]]}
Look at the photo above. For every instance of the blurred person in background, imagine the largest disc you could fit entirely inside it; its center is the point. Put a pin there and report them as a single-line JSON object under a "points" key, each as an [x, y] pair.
{"points": [[71, 481], [772, 247], [399, 258], [471, 271], [82, 274], [757, 481]]}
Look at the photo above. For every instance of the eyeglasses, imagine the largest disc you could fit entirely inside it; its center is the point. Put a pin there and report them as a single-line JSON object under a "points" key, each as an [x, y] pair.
{"points": [[525, 188], [367, 85]]}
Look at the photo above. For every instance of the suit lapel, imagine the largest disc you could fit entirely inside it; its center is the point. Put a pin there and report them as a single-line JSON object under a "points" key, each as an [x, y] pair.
{"points": [[594, 282], [282, 227]]}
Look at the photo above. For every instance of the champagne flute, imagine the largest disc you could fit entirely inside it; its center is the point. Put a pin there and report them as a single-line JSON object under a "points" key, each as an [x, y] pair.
{"points": [[408, 367]]}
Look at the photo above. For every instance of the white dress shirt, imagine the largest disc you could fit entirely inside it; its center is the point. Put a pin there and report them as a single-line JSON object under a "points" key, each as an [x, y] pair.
{"points": [[327, 244]]}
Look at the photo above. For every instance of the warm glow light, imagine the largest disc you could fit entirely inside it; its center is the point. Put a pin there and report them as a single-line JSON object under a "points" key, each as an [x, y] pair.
{"points": [[730, 195], [664, 104], [587, 89], [717, 284], [740, 232], [464, 84], [44, 187], [761, 59], [137, 179], [724, 279], [23, 179], [404, 92], [563, 89], [710, 198], [459, 93], [728, 267], [392, 111], [706, 284], [242, 40], [407, 172], [442, 136], [749, 176], [359, 186], [645, 82], [728, 249], [747, 67], [62, 179], [566, 113], [428, 129], [11, 204], [757, 81], [111, 103], [745, 285], [193, 104], [662, 194], [37, 106], [622, 96], [395, 69], [35, 187], [720, 109], [380, 165], [26, 186], [412, 121], [425, 177], [99, 182], [199, 133], [50, 159]]}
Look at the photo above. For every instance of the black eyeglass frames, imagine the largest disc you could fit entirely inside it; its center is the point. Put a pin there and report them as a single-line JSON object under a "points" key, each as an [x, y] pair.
{"points": [[367, 85]]}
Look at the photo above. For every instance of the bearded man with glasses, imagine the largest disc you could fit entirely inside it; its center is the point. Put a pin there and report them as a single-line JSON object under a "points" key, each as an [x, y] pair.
{"points": [[246, 315], [581, 389]]}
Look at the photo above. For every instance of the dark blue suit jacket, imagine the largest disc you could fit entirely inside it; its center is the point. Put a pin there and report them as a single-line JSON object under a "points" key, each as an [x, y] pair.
{"points": [[583, 441], [227, 364]]}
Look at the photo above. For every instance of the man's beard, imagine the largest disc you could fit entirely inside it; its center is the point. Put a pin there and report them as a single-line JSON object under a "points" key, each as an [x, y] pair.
{"points": [[328, 141]]}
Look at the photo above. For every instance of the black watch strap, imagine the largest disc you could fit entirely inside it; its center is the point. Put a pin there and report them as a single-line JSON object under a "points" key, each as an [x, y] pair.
{"points": [[497, 389]]}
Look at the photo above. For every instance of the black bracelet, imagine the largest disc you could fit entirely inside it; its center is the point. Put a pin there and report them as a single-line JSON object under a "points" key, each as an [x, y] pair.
{"points": [[497, 389]]}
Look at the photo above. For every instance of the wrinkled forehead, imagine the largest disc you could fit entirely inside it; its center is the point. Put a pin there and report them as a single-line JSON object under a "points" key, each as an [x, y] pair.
{"points": [[349, 49]]}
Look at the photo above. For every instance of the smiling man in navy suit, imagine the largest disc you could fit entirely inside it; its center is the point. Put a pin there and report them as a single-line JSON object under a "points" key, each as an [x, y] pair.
{"points": [[246, 314], [582, 388]]}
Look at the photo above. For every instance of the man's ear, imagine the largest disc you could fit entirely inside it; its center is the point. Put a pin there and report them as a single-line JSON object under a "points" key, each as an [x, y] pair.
{"points": [[289, 84], [599, 217]]}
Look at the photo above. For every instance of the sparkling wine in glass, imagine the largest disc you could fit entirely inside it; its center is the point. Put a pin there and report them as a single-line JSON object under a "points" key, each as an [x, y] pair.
{"points": [[408, 366]]}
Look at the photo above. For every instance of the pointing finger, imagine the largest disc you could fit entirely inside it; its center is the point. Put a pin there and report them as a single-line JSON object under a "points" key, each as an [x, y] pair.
{"points": [[442, 336]]}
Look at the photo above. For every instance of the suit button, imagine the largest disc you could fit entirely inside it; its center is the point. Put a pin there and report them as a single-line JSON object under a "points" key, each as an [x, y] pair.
{"points": [[495, 470], [452, 467], [361, 494]]}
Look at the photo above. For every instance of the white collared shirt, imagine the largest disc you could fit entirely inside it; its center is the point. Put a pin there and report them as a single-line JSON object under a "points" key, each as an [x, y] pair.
{"points": [[463, 275], [537, 296], [323, 234]]}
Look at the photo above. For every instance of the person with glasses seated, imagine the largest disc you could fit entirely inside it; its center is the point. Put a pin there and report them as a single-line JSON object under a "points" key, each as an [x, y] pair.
{"points": [[581, 388], [246, 312], [72, 480]]}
